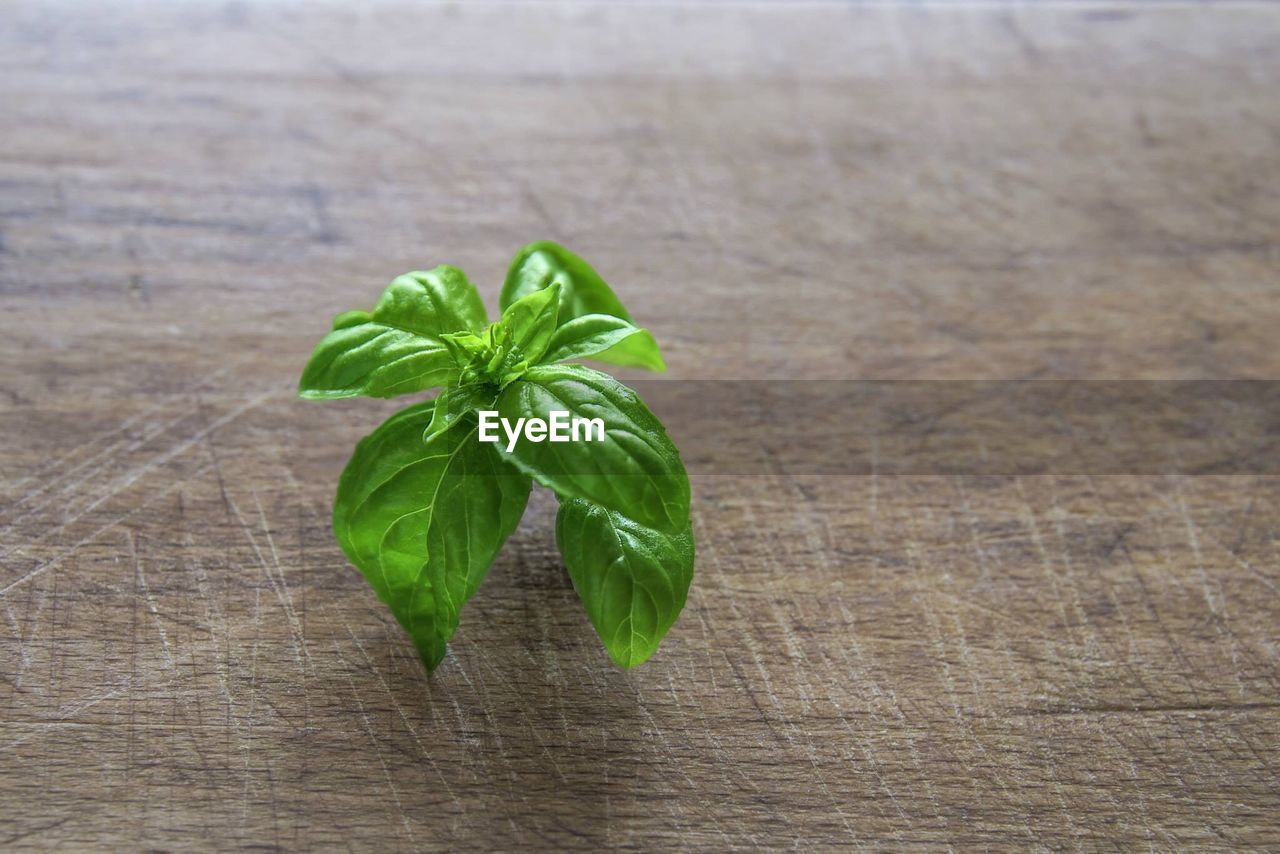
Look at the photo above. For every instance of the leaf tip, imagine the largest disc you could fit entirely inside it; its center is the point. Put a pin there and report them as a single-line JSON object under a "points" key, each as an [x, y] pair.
{"points": [[431, 651], [631, 658]]}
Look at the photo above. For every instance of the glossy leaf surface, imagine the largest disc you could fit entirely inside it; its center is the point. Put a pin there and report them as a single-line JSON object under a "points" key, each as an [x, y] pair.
{"points": [[424, 520], [635, 470], [531, 321], [397, 348], [607, 339], [582, 291], [632, 580]]}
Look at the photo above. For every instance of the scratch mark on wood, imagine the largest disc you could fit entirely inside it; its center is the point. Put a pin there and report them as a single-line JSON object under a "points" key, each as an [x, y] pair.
{"points": [[149, 599], [45, 566]]}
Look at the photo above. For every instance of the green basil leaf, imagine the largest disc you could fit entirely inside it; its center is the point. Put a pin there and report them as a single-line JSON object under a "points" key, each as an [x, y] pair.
{"points": [[457, 402], [606, 338], [582, 291], [635, 470], [464, 347], [424, 521], [396, 348], [531, 321], [632, 580]]}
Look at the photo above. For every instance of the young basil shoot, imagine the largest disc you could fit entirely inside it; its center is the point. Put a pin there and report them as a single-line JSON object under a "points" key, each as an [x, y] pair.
{"points": [[428, 498]]}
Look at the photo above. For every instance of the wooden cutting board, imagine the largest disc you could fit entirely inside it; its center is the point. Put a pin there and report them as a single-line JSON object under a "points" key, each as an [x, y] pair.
{"points": [[188, 192]]}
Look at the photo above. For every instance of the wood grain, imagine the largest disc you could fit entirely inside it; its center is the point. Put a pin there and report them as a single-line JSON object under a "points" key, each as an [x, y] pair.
{"points": [[189, 191]]}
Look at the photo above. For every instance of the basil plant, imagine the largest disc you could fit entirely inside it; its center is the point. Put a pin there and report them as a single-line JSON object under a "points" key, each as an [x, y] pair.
{"points": [[429, 497]]}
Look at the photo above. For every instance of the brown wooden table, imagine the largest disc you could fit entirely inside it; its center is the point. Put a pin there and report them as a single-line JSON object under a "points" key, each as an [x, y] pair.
{"points": [[189, 191]]}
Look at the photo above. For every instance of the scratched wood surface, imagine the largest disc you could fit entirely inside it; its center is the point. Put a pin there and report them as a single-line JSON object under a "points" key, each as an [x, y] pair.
{"points": [[189, 191]]}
